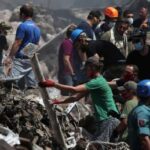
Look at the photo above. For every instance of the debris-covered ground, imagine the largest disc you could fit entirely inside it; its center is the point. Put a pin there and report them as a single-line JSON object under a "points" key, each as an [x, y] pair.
{"points": [[23, 115]]}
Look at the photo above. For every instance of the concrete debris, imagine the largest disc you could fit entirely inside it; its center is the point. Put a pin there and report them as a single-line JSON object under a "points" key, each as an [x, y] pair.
{"points": [[25, 117]]}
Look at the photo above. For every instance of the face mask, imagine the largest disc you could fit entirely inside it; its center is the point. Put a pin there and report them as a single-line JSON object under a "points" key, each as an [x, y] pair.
{"points": [[111, 24], [138, 46], [130, 20]]}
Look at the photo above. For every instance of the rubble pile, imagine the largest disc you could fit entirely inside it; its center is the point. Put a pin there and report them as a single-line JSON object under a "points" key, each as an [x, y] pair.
{"points": [[24, 116]]}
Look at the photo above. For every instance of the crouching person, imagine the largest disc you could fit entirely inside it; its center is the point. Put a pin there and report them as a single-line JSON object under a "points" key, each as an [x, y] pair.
{"points": [[101, 95]]}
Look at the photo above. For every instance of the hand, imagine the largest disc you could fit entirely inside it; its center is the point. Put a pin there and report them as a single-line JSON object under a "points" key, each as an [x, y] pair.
{"points": [[7, 61], [47, 83], [7, 66]]}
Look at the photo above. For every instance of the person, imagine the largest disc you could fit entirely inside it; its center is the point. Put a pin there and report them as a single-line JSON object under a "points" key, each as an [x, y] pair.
{"points": [[66, 72], [103, 49], [101, 95], [120, 12], [111, 16], [117, 36], [93, 19], [140, 56], [78, 57], [128, 14], [129, 73], [139, 119], [4, 28], [27, 32], [143, 22], [128, 92]]}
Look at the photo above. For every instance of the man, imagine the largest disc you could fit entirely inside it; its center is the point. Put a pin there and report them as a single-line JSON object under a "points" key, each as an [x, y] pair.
{"points": [[101, 94], [111, 16], [143, 22], [27, 32], [128, 14], [92, 21], [139, 119], [140, 56], [87, 48], [117, 36], [130, 73], [66, 72], [128, 92]]}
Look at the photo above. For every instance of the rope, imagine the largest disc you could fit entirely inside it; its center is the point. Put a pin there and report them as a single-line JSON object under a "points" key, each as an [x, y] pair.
{"points": [[93, 145]]}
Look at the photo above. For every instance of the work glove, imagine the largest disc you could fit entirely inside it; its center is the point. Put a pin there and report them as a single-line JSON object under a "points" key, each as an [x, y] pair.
{"points": [[47, 83]]}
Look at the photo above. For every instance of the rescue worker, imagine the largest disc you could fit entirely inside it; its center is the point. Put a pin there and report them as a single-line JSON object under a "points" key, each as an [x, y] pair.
{"points": [[139, 119], [101, 95], [141, 54], [117, 36], [27, 33], [143, 22], [88, 26], [111, 16]]}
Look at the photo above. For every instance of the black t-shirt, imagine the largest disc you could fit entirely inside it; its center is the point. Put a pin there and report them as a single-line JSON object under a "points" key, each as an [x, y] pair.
{"points": [[137, 23], [110, 52], [3, 43], [143, 63]]}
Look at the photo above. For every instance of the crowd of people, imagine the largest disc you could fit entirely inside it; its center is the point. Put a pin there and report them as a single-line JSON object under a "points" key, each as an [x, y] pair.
{"points": [[92, 51]]}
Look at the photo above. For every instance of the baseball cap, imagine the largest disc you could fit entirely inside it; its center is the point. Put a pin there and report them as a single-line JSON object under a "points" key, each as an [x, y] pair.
{"points": [[130, 85], [93, 60]]}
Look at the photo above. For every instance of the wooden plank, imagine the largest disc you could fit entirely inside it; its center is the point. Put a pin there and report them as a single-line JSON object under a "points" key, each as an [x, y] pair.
{"points": [[54, 123]]}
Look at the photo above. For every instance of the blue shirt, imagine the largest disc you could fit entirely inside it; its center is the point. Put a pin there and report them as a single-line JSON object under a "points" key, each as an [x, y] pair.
{"points": [[87, 29], [28, 32], [138, 124]]}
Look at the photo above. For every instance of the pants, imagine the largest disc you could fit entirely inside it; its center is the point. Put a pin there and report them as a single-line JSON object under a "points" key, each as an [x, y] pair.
{"points": [[67, 80], [104, 130], [22, 72]]}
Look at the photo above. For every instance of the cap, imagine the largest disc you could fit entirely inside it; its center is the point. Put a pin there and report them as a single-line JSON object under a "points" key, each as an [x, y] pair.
{"points": [[130, 85], [95, 61]]}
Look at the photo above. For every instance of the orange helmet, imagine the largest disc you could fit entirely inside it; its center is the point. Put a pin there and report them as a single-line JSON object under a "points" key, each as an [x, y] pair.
{"points": [[111, 12]]}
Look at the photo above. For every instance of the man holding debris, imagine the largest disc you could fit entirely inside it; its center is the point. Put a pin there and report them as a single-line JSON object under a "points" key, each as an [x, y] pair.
{"points": [[27, 33], [101, 94]]}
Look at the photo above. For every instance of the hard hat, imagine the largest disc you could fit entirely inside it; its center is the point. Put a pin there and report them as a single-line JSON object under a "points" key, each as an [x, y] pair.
{"points": [[143, 88], [111, 12], [75, 34]]}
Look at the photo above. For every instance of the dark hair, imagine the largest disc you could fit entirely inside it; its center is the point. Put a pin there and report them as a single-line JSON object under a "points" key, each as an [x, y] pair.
{"points": [[27, 10], [119, 11], [126, 12], [122, 21], [94, 13], [70, 29], [135, 68]]}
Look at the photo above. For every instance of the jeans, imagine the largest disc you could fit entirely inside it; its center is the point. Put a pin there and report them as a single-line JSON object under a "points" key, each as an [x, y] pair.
{"points": [[67, 80], [23, 74]]}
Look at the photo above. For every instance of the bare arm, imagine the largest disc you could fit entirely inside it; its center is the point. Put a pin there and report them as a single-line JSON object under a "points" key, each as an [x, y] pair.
{"points": [[68, 64], [79, 88], [122, 126], [74, 98], [15, 48], [145, 142]]}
